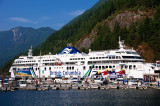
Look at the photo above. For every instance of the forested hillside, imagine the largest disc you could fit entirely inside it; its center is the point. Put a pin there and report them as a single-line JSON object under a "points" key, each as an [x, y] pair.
{"points": [[101, 26], [145, 31]]}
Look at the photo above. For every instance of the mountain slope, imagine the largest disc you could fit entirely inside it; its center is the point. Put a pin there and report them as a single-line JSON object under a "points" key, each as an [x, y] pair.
{"points": [[19, 39], [85, 25]]}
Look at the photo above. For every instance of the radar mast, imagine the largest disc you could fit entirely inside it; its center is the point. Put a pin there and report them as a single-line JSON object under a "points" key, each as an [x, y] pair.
{"points": [[30, 52], [121, 44]]}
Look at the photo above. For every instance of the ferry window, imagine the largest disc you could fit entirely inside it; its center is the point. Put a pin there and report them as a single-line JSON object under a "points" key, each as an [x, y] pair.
{"points": [[72, 68], [75, 58], [69, 68], [84, 67], [38, 68], [110, 66], [49, 68], [100, 57], [44, 68], [128, 52], [78, 58], [126, 66], [114, 66], [83, 62], [90, 62], [122, 52], [134, 66], [102, 67], [93, 57], [134, 52], [113, 57], [117, 52], [138, 57], [116, 57], [99, 67], [96, 57], [81, 58], [129, 57], [96, 66], [106, 66], [130, 66], [90, 57], [109, 57]]}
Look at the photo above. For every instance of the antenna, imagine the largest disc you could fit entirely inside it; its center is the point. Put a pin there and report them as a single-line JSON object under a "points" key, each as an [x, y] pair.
{"points": [[119, 38], [30, 52], [121, 43]]}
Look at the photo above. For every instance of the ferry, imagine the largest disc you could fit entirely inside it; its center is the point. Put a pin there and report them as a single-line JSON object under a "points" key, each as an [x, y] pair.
{"points": [[71, 63]]}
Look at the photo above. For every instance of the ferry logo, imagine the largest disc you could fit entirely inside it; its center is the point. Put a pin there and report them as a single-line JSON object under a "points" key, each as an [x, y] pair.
{"points": [[66, 51], [88, 72], [23, 72], [32, 71]]}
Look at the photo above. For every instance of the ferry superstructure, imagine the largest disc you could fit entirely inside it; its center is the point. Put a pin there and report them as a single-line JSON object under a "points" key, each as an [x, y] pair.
{"points": [[70, 62]]}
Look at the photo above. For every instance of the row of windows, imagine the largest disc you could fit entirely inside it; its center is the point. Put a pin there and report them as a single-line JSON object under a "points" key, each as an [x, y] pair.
{"points": [[108, 57], [77, 58], [102, 62], [71, 63], [131, 57], [25, 65], [25, 61], [70, 68], [107, 62], [54, 68], [128, 52], [48, 60], [104, 67]]}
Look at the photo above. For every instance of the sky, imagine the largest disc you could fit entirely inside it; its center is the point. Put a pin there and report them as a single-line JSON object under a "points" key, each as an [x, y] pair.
{"points": [[40, 13]]}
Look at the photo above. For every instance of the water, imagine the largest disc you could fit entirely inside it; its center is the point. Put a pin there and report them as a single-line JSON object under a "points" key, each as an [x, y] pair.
{"points": [[81, 97]]}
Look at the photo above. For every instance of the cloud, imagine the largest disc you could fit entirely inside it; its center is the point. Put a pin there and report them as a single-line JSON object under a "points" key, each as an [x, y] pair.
{"points": [[19, 19], [23, 20], [77, 12]]}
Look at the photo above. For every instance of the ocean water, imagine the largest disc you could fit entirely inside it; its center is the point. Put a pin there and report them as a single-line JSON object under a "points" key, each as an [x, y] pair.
{"points": [[110, 97]]}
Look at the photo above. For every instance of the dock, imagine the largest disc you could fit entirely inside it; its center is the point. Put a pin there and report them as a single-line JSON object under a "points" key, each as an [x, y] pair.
{"points": [[33, 85]]}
